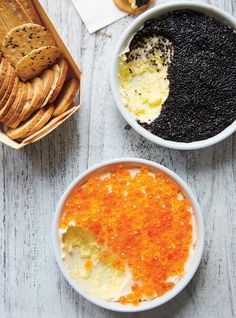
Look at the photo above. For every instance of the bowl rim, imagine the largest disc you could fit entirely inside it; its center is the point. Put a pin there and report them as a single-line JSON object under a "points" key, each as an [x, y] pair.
{"points": [[194, 262], [160, 10]]}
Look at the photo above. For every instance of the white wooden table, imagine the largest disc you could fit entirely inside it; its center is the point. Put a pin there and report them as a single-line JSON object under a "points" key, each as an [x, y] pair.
{"points": [[34, 178]]}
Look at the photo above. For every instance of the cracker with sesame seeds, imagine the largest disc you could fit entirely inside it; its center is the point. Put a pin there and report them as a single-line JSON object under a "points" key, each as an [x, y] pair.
{"points": [[23, 39], [37, 61]]}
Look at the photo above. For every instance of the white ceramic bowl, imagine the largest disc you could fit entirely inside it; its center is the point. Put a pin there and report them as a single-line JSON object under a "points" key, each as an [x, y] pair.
{"points": [[195, 259], [156, 12]]}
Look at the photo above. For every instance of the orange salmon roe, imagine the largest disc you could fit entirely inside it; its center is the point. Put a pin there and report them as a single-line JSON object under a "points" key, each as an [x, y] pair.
{"points": [[88, 265], [143, 219]]}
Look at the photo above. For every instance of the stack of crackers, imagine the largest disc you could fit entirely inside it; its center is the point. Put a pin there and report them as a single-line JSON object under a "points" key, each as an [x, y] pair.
{"points": [[35, 86]]}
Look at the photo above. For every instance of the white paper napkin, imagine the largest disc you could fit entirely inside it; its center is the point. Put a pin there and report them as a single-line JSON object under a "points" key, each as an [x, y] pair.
{"points": [[96, 14]]}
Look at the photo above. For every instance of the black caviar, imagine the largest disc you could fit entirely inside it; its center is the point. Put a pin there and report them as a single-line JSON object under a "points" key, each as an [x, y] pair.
{"points": [[140, 3], [202, 75]]}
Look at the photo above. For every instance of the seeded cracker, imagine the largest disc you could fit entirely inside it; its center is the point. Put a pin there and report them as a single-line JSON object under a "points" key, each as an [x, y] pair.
{"points": [[21, 40], [11, 15], [37, 61]]}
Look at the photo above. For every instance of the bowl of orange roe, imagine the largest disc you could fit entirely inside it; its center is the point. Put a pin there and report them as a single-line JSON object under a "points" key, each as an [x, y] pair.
{"points": [[128, 235]]}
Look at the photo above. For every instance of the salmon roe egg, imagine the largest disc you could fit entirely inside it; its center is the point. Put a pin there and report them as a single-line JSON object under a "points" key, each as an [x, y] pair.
{"points": [[143, 218]]}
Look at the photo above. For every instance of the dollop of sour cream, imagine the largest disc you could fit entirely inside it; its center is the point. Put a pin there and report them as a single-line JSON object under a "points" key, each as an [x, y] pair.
{"points": [[143, 78]]}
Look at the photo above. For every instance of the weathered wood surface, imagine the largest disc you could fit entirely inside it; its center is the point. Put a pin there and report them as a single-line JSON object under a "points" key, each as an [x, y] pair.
{"points": [[33, 180]]}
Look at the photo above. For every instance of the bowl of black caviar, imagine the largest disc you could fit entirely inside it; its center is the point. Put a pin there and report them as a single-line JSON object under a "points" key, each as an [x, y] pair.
{"points": [[174, 75]]}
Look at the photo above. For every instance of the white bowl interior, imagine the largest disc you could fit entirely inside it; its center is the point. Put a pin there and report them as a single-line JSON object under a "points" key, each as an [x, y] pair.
{"points": [[157, 12], [194, 262]]}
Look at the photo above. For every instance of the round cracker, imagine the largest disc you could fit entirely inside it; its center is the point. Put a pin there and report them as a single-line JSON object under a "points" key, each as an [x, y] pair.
{"points": [[22, 94], [24, 38], [43, 121], [47, 78], [66, 96], [125, 6], [62, 76], [7, 109], [26, 126], [8, 76], [11, 81], [37, 87], [50, 126], [15, 104], [25, 109], [3, 70], [37, 61], [56, 73]]}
